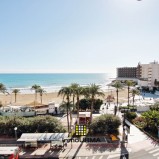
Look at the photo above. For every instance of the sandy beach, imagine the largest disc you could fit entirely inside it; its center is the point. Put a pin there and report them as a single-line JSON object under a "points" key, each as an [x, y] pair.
{"points": [[24, 99]]}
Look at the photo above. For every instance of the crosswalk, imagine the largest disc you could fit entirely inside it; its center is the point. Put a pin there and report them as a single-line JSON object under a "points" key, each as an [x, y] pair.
{"points": [[154, 151]]}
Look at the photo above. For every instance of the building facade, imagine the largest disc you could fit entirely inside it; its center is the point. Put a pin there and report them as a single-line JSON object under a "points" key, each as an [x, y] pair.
{"points": [[149, 73], [126, 72], [146, 74]]}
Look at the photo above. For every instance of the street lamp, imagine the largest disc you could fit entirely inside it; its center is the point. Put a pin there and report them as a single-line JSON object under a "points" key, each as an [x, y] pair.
{"points": [[15, 129], [124, 126], [124, 134]]}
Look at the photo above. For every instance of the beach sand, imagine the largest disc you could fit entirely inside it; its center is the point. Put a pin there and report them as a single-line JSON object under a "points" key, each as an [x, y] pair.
{"points": [[24, 99]]}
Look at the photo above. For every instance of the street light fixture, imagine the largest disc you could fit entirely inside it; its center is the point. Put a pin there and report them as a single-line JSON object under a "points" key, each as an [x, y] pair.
{"points": [[15, 129]]}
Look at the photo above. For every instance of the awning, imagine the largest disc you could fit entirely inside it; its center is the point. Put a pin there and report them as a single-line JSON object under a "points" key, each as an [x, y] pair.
{"points": [[42, 137]]}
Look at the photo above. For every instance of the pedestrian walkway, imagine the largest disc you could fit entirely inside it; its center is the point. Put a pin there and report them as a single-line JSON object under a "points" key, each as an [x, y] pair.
{"points": [[136, 138], [96, 153], [154, 151]]}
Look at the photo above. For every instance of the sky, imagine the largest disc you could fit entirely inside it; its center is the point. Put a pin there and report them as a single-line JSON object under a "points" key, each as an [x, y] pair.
{"points": [[74, 36]]}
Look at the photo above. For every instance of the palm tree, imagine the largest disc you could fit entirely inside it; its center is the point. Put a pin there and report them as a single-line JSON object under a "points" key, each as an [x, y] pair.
{"points": [[94, 90], [35, 87], [118, 86], [134, 92], [129, 83], [78, 92], [66, 92], [2, 88], [41, 91], [15, 91], [73, 87]]}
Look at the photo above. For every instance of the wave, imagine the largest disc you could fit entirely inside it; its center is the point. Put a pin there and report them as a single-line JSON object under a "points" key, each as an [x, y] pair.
{"points": [[54, 88]]}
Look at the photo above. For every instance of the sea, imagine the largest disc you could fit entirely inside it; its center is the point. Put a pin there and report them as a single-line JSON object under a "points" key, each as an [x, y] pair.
{"points": [[52, 82]]}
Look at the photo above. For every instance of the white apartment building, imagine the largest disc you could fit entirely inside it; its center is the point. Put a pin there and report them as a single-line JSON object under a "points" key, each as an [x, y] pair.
{"points": [[148, 74]]}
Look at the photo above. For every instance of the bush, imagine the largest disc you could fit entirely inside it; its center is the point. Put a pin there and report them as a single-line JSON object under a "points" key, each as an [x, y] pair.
{"points": [[127, 108], [37, 124], [140, 122], [130, 116], [105, 124], [97, 104], [152, 119], [86, 104]]}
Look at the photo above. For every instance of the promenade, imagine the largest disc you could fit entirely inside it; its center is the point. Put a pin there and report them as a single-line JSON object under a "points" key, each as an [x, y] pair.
{"points": [[137, 143]]}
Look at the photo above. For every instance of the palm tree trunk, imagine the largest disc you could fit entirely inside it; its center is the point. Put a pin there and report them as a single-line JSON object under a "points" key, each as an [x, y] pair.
{"points": [[35, 97], [117, 96], [41, 99], [128, 95], [77, 110], [91, 117], [68, 120], [15, 97], [73, 102], [133, 100]]}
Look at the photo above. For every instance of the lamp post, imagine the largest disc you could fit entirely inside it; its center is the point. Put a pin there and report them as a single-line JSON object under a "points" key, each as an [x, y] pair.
{"points": [[124, 126], [15, 129]]}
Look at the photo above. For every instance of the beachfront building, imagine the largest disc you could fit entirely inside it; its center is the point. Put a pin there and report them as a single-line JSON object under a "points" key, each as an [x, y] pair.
{"points": [[149, 74], [126, 72], [145, 74]]}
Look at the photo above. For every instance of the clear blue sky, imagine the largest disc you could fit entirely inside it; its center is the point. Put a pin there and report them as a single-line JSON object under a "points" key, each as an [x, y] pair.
{"points": [[77, 35]]}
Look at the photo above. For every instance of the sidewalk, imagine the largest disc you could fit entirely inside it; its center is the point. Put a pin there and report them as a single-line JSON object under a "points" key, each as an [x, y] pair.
{"points": [[137, 140]]}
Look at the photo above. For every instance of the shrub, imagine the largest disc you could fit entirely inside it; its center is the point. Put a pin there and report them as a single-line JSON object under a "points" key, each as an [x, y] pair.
{"points": [[127, 108], [152, 119], [140, 122], [86, 104], [39, 124], [104, 124], [130, 116]]}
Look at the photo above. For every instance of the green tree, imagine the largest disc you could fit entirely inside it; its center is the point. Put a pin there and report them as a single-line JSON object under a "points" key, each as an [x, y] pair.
{"points": [[94, 90], [129, 84], [134, 92], [41, 91], [2, 89], [73, 87], [66, 93], [38, 124], [35, 87], [152, 119], [130, 116], [78, 93], [15, 91], [118, 86], [105, 124]]}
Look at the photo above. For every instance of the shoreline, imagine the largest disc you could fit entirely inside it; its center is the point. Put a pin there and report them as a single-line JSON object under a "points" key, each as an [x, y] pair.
{"points": [[53, 89]]}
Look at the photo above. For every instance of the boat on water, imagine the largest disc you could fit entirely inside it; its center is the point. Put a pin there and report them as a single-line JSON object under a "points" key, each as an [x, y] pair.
{"points": [[11, 110]]}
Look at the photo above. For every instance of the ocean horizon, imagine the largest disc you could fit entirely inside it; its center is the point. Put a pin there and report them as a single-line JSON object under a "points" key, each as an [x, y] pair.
{"points": [[52, 82]]}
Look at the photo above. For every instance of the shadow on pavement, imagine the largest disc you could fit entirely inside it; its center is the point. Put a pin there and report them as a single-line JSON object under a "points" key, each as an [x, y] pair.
{"points": [[78, 149], [124, 154], [102, 147]]}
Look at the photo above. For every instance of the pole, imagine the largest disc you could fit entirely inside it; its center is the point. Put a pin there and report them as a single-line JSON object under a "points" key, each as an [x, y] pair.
{"points": [[15, 135], [15, 129], [158, 131]]}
